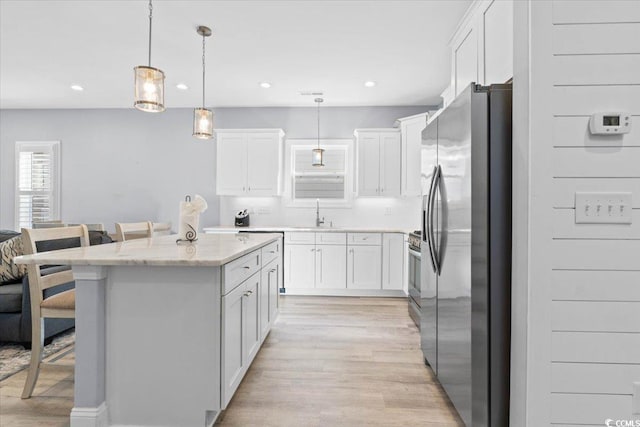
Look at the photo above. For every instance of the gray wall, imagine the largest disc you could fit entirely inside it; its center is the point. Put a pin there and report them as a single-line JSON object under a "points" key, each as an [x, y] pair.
{"points": [[124, 165]]}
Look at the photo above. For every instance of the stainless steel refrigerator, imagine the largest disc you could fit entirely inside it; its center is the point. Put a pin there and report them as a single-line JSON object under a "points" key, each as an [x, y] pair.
{"points": [[466, 252]]}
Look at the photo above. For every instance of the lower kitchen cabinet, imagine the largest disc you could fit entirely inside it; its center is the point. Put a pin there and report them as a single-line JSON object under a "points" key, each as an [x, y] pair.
{"points": [[234, 357], [252, 332], [331, 266], [393, 261], [301, 266], [364, 267], [269, 292]]}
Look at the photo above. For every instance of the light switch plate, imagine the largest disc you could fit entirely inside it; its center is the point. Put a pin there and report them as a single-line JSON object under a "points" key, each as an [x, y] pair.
{"points": [[603, 208]]}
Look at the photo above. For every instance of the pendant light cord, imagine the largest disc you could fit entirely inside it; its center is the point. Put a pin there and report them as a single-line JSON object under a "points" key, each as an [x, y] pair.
{"points": [[318, 102], [150, 24], [203, 39]]}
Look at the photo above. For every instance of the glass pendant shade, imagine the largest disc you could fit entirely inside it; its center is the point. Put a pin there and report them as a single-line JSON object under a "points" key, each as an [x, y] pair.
{"points": [[149, 89], [202, 123], [317, 157]]}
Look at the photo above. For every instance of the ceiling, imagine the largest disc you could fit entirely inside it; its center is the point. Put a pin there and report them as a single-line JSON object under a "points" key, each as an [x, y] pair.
{"points": [[333, 46]]}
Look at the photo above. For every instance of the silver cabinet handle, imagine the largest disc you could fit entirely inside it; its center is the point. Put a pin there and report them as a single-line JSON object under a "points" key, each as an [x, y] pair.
{"points": [[273, 270], [246, 267], [272, 252]]}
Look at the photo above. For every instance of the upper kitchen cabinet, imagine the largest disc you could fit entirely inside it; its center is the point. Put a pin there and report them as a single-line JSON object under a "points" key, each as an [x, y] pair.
{"points": [[378, 162], [482, 47], [411, 137], [249, 162]]}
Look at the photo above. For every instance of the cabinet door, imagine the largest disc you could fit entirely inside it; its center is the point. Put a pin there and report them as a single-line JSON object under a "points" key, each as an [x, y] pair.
{"points": [[263, 164], [331, 266], [231, 175], [275, 283], [390, 162], [498, 42], [411, 140], [301, 266], [233, 350], [363, 267], [251, 330], [264, 294], [392, 261], [368, 164], [466, 62]]}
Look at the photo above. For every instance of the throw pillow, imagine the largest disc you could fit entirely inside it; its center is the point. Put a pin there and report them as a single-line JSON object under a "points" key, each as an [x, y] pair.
{"points": [[9, 249]]}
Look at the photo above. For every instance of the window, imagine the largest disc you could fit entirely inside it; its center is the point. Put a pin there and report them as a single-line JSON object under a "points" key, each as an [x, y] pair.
{"points": [[37, 182], [328, 182]]}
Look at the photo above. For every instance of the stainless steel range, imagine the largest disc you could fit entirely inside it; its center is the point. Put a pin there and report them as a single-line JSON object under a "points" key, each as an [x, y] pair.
{"points": [[415, 240]]}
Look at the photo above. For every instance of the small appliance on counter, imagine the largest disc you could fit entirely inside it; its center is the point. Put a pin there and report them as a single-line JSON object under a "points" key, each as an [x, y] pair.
{"points": [[242, 219]]}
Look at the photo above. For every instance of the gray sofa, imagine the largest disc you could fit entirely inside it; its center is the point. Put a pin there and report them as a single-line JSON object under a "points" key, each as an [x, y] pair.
{"points": [[15, 301]]}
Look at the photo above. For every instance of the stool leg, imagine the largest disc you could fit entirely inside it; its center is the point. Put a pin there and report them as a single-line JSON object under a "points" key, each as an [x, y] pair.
{"points": [[37, 342]]}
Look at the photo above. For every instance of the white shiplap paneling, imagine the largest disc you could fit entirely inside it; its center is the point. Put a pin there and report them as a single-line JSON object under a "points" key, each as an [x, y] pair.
{"points": [[596, 255], [589, 409], [594, 378], [619, 38], [595, 347], [586, 100], [565, 227], [580, 285], [604, 162], [595, 11], [595, 316], [596, 69], [563, 191], [574, 132]]}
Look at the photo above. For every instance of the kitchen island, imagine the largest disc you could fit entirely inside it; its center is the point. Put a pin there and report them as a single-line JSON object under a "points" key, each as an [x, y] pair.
{"points": [[166, 332]]}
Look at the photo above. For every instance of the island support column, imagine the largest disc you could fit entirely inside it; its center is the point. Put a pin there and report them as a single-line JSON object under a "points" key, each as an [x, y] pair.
{"points": [[89, 405]]}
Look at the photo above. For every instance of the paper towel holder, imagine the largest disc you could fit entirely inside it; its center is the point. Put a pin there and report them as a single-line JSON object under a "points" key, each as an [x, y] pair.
{"points": [[190, 235]]}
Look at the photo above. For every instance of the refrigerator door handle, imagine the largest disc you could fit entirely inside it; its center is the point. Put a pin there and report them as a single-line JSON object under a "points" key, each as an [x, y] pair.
{"points": [[429, 221], [437, 176]]}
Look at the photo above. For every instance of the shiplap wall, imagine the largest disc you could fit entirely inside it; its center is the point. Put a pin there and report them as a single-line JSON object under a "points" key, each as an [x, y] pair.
{"points": [[584, 279]]}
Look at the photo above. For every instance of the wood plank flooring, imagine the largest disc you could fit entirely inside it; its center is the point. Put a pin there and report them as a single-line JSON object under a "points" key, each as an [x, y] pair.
{"points": [[328, 361]]}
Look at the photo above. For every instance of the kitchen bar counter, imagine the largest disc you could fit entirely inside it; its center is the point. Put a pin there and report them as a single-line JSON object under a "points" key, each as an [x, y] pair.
{"points": [[276, 228], [157, 326]]}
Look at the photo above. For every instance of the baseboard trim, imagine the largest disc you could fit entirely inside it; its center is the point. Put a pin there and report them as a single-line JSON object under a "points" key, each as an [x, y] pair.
{"points": [[90, 417], [346, 292]]}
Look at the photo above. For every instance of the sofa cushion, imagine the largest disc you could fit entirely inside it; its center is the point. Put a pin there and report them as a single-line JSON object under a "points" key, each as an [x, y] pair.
{"points": [[11, 298], [9, 249]]}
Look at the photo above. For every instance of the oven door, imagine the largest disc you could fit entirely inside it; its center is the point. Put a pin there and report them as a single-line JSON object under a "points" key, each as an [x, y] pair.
{"points": [[414, 286]]}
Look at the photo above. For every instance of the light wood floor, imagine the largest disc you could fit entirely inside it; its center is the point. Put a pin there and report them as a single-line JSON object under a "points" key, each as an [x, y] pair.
{"points": [[327, 362]]}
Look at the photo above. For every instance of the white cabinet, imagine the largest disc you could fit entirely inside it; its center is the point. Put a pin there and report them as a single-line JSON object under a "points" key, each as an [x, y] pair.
{"points": [[249, 162], [498, 42], [331, 266], [269, 291], [363, 267], [465, 55], [411, 136], [300, 262], [248, 311], [393, 261], [378, 162]]}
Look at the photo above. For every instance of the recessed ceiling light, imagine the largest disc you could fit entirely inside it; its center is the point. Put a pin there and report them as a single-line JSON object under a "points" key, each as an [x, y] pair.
{"points": [[265, 85], [370, 83], [182, 86], [77, 88]]}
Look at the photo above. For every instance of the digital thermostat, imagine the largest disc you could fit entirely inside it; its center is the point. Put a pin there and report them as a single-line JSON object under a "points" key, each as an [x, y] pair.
{"points": [[610, 123]]}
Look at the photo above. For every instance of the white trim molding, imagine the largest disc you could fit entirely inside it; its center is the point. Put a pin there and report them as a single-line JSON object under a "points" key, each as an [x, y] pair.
{"points": [[90, 417]]}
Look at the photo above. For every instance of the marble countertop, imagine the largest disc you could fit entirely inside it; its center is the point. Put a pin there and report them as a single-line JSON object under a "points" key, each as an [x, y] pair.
{"points": [[275, 228], [209, 251]]}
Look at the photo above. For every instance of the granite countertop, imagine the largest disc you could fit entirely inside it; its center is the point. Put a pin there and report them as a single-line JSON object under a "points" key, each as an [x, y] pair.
{"points": [[209, 251], [275, 228]]}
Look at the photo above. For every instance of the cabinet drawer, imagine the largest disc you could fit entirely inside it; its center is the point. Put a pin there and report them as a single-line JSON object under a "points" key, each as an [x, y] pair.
{"points": [[238, 270], [271, 251], [331, 238], [365, 239], [300, 238]]}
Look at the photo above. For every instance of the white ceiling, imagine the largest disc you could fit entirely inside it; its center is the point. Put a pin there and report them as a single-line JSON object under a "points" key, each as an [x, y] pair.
{"points": [[334, 46]]}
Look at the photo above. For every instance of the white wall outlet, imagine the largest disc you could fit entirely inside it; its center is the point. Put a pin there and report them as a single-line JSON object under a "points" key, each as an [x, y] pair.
{"points": [[635, 399], [603, 208]]}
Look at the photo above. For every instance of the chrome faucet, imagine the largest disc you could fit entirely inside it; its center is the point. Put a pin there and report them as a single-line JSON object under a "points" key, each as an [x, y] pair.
{"points": [[319, 221]]}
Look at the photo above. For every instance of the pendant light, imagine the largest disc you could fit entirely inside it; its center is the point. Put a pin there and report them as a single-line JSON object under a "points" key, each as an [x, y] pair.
{"points": [[149, 82], [202, 117], [318, 153]]}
